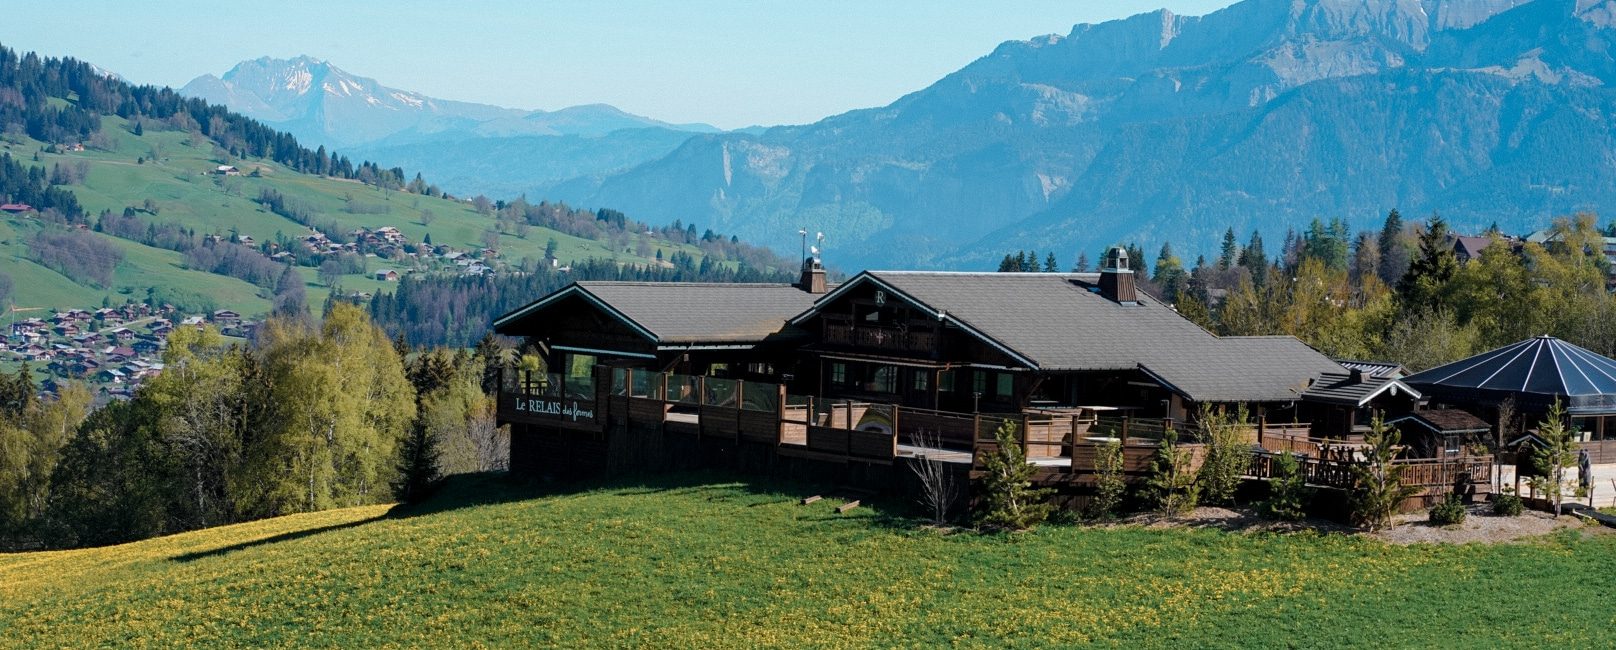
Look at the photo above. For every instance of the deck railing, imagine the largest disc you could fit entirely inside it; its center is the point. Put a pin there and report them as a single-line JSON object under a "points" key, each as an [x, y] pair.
{"points": [[880, 337]]}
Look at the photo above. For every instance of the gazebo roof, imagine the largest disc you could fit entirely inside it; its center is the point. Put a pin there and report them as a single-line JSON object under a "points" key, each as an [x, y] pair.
{"points": [[1536, 371]]}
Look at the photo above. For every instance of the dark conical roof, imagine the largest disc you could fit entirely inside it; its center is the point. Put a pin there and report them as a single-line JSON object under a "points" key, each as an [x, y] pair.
{"points": [[1536, 371]]}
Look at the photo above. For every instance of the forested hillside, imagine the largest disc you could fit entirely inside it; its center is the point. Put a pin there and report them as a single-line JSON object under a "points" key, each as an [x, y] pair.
{"points": [[126, 193]]}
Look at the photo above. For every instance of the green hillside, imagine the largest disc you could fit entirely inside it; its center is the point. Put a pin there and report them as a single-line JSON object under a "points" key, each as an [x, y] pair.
{"points": [[694, 561], [172, 169]]}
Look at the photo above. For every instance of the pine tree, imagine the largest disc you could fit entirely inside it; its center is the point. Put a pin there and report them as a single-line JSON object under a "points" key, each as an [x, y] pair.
{"points": [[1082, 263], [1423, 285], [1255, 260], [1378, 489], [1393, 253], [418, 472], [1172, 486], [1009, 502], [1558, 453], [1231, 250], [1050, 266]]}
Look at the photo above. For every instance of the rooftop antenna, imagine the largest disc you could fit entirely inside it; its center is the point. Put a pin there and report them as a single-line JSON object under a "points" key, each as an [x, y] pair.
{"points": [[804, 233], [818, 250]]}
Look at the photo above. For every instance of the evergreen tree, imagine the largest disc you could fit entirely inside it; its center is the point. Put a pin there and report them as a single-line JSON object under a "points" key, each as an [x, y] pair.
{"points": [[1378, 489], [1394, 253], [1423, 286], [1255, 260], [1009, 502], [1082, 263], [1050, 266], [1230, 251], [418, 471]]}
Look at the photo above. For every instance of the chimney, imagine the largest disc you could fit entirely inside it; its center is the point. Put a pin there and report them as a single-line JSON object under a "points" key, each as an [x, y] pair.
{"points": [[1356, 376], [1116, 278], [813, 276]]}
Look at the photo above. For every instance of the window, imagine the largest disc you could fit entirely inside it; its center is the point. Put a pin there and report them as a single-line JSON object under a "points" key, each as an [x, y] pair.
{"points": [[885, 380], [1006, 385], [979, 382], [838, 374], [945, 381], [921, 381]]}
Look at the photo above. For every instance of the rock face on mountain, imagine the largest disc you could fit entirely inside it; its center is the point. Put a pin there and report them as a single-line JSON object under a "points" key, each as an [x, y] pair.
{"points": [[1161, 127], [323, 104]]}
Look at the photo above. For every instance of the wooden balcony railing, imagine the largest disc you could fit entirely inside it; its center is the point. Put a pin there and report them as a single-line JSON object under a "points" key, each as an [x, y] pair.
{"points": [[881, 338]]}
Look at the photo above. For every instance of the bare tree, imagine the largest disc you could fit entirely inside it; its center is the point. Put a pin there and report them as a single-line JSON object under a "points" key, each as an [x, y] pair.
{"points": [[939, 485]]}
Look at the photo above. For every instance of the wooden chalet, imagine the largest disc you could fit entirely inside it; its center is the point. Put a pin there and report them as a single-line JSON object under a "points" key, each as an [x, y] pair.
{"points": [[847, 382]]}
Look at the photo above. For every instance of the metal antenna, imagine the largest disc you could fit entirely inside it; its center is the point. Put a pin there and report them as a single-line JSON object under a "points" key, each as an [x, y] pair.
{"points": [[804, 233]]}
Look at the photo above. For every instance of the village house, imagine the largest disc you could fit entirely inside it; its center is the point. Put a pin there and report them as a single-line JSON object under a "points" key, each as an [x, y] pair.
{"points": [[16, 208], [387, 275]]}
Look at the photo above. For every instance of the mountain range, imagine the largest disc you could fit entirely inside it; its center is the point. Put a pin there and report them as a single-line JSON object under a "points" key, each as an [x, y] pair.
{"points": [[1259, 116], [450, 141]]}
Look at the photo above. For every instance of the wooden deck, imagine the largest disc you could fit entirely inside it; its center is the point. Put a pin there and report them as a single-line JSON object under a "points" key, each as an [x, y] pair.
{"points": [[1062, 443]]}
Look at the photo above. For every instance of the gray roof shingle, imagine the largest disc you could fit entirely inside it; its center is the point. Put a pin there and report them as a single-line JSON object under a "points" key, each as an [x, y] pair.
{"points": [[690, 312], [1057, 322], [1342, 388]]}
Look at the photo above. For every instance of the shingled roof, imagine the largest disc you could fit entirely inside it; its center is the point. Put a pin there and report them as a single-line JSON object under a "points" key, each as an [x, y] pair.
{"points": [[1444, 421], [1059, 322], [679, 313], [1345, 389]]}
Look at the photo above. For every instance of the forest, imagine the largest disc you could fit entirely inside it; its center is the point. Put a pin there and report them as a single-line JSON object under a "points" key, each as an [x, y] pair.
{"points": [[456, 311], [304, 418]]}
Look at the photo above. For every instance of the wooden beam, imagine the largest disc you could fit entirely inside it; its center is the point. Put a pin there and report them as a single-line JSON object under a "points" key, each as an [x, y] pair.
{"points": [[808, 500], [842, 509]]}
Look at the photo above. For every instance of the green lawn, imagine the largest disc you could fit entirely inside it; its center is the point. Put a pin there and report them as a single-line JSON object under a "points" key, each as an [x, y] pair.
{"points": [[703, 561]]}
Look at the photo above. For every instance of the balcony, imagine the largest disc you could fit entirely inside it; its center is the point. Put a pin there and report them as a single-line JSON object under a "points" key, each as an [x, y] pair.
{"points": [[892, 339]]}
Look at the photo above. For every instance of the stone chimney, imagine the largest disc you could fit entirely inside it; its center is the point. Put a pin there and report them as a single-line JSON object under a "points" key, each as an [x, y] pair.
{"points": [[813, 276], [1116, 277]]}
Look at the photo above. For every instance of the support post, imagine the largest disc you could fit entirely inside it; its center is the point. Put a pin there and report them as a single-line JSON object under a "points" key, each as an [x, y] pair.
{"points": [[780, 416], [895, 430], [1126, 420]]}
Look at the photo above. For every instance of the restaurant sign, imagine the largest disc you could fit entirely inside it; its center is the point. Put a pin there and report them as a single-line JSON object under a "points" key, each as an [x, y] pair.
{"points": [[540, 406]]}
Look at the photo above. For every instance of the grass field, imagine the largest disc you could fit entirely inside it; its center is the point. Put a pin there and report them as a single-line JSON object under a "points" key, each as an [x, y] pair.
{"points": [[701, 561], [166, 167]]}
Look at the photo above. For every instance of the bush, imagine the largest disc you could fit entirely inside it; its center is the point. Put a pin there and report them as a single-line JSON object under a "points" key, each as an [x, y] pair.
{"points": [[1450, 512], [1288, 491], [1228, 454], [1111, 484], [1508, 504]]}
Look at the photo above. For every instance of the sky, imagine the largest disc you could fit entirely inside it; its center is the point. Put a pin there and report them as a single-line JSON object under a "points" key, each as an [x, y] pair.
{"points": [[731, 64]]}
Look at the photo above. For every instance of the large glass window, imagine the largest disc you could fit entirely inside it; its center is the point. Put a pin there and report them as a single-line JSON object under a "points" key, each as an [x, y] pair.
{"points": [[580, 379], [945, 381], [1006, 385], [885, 380], [979, 382], [838, 374], [921, 380]]}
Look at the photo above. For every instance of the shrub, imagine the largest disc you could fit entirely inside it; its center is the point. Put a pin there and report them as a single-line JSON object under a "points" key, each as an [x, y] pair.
{"points": [[1288, 491], [1450, 512], [1009, 502], [1172, 486], [1508, 504], [1111, 484], [1227, 454]]}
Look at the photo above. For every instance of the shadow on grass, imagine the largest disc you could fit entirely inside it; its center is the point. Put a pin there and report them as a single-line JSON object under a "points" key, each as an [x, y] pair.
{"points": [[746, 490], [494, 488], [273, 539]]}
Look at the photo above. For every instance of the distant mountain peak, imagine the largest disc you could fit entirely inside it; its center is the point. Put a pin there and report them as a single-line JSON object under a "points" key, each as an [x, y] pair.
{"points": [[321, 103]]}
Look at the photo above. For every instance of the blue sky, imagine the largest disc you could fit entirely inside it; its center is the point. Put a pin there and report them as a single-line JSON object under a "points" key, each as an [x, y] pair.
{"points": [[732, 63]]}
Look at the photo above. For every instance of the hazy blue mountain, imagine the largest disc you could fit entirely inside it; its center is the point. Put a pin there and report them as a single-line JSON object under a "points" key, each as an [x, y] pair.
{"points": [[1162, 127], [512, 165], [323, 104]]}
